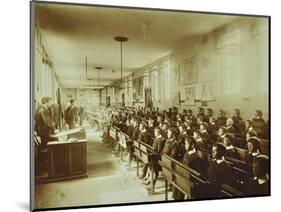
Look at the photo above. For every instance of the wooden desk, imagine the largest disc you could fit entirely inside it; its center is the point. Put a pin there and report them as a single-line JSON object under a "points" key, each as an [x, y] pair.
{"points": [[78, 133], [67, 160]]}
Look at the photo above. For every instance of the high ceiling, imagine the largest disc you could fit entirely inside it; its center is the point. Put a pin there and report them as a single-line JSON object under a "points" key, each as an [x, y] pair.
{"points": [[73, 33]]}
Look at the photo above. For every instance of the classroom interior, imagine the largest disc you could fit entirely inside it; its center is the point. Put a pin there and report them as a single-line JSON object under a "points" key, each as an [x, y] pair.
{"points": [[123, 68]]}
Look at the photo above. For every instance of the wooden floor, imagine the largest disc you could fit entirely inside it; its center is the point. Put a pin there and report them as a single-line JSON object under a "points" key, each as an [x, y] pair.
{"points": [[109, 182]]}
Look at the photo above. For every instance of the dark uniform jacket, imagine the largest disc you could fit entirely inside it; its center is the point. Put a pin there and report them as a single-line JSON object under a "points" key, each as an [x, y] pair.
{"points": [[144, 137], [130, 131], [43, 123], [136, 133], [158, 144], [70, 115], [194, 161], [255, 188], [249, 161], [219, 173], [230, 129], [171, 148], [221, 121]]}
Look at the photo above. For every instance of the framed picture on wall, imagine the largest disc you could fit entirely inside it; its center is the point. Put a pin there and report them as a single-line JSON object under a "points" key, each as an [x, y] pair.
{"points": [[189, 71], [189, 95]]}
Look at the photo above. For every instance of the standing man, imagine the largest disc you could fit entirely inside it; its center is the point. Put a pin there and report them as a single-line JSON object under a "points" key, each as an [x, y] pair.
{"points": [[44, 127], [81, 115], [70, 115], [43, 122]]}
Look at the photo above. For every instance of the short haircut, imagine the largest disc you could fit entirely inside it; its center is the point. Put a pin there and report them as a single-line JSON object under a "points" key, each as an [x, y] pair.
{"points": [[191, 141], [220, 149], [259, 112], [252, 133], [172, 130], [72, 101], [255, 142], [237, 111], [229, 137]]}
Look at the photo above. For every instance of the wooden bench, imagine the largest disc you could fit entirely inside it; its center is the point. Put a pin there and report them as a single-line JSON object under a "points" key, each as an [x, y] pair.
{"points": [[182, 177], [239, 168], [228, 191], [145, 154]]}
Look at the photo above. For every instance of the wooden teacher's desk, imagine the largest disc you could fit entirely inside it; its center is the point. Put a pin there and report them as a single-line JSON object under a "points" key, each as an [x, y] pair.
{"points": [[67, 158]]}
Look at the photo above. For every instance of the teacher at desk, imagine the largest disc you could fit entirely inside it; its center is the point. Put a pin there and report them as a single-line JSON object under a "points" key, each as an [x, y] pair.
{"points": [[43, 122]]}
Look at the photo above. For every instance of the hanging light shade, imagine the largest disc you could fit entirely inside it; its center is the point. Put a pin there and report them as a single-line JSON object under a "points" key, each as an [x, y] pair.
{"points": [[121, 39]]}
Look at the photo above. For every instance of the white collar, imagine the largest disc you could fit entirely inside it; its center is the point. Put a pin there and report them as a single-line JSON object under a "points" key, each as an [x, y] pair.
{"points": [[144, 130], [219, 161], [223, 135], [255, 153], [203, 131], [199, 139], [159, 136], [260, 181], [191, 151], [251, 128], [184, 132], [229, 147], [229, 126]]}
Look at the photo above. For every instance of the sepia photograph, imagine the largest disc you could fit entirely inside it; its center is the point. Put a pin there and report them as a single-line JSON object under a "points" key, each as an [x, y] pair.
{"points": [[139, 105]]}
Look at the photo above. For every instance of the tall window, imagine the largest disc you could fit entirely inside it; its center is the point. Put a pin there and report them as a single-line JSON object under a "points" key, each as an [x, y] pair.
{"points": [[229, 49], [165, 81], [261, 38]]}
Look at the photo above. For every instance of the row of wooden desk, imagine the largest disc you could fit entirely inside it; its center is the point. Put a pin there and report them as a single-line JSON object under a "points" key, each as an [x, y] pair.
{"points": [[173, 171]]}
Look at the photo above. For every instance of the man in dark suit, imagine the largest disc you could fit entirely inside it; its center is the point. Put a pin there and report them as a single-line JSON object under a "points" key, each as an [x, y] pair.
{"points": [[81, 115], [70, 115], [219, 171], [43, 123], [44, 127]]}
